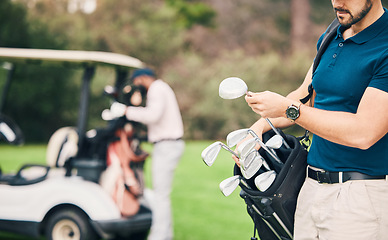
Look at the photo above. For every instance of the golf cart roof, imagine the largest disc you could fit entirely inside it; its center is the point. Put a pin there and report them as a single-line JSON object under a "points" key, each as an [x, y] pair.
{"points": [[88, 58]]}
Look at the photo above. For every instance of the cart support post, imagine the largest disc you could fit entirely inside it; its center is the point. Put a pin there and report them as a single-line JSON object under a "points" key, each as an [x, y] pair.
{"points": [[11, 69], [84, 103]]}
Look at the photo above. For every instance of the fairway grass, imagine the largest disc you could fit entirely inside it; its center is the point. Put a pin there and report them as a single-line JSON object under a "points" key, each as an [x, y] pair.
{"points": [[200, 211]]}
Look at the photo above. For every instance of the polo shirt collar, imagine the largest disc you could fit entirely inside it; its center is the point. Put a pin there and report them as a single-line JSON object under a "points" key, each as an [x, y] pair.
{"points": [[368, 33]]}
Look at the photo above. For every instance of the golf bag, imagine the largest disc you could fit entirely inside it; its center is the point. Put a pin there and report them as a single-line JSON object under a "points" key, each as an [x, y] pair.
{"points": [[109, 156], [123, 178], [272, 210]]}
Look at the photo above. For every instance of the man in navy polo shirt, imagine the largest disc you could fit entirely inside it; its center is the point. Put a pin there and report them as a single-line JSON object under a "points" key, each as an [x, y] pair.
{"points": [[345, 195]]}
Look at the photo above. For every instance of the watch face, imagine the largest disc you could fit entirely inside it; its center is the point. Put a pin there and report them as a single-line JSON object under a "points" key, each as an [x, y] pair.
{"points": [[292, 113]]}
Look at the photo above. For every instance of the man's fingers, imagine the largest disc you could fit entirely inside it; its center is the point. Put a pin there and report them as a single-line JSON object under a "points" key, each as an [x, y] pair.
{"points": [[237, 160]]}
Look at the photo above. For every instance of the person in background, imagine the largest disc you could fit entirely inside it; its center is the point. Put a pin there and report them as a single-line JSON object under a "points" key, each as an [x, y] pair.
{"points": [[162, 116], [345, 192]]}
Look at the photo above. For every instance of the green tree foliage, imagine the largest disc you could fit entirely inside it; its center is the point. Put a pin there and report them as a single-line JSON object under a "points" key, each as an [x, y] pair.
{"points": [[193, 45], [12, 17], [145, 31], [196, 80], [40, 100], [150, 30], [190, 13]]}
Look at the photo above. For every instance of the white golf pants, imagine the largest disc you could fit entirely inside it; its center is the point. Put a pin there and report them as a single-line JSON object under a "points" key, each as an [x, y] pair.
{"points": [[165, 158]]}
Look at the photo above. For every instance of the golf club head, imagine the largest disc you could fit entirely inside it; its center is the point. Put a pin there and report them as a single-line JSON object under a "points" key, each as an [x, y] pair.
{"points": [[274, 142], [251, 164], [265, 180], [233, 138], [110, 91], [10, 131], [7, 132], [106, 115], [246, 147], [228, 185], [210, 153], [232, 87]]}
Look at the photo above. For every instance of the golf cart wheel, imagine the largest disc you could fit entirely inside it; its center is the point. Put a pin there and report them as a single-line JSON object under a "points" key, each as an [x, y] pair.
{"points": [[69, 224]]}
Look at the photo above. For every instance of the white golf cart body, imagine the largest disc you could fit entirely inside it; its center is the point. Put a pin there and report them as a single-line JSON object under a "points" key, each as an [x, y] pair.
{"points": [[29, 203], [36, 193]]}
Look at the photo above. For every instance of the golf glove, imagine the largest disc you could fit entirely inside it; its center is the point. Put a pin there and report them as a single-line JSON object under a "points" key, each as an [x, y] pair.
{"points": [[118, 109]]}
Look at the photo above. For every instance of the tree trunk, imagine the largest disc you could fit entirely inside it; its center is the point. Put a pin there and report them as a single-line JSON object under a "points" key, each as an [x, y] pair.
{"points": [[300, 25]]}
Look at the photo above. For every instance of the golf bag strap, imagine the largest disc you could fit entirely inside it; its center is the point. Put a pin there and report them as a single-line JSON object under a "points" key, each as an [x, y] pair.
{"points": [[330, 33]]}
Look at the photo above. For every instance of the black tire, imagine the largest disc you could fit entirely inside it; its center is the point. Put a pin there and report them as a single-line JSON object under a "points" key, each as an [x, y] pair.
{"points": [[134, 236], [69, 224], [139, 236]]}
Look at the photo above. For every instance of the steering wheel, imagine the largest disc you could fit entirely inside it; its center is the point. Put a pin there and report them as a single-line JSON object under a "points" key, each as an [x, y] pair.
{"points": [[10, 131]]}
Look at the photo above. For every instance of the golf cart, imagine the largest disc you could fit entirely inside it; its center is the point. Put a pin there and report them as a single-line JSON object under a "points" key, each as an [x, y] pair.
{"points": [[66, 199]]}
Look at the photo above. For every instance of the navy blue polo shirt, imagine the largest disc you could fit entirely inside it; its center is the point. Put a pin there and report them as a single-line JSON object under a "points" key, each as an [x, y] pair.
{"points": [[346, 69]]}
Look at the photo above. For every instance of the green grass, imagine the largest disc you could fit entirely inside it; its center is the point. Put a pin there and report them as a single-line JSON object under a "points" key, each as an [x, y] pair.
{"points": [[200, 210], [13, 157]]}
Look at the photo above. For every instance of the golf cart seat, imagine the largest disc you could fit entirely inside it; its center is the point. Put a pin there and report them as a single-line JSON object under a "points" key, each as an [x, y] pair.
{"points": [[27, 174], [62, 146], [63, 151]]}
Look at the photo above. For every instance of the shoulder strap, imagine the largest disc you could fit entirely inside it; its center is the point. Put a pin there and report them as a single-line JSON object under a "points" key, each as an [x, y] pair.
{"points": [[330, 33]]}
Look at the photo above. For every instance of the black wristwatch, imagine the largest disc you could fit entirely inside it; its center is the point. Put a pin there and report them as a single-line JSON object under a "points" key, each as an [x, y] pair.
{"points": [[292, 112]]}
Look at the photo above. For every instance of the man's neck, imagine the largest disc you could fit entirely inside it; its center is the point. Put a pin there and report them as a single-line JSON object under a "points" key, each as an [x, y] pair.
{"points": [[374, 14]]}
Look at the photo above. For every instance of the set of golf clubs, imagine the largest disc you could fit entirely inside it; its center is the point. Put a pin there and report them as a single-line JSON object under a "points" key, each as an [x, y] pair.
{"points": [[250, 160], [249, 157], [252, 164]]}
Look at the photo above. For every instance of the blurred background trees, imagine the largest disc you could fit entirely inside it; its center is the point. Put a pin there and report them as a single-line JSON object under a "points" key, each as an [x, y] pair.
{"points": [[39, 99], [192, 44]]}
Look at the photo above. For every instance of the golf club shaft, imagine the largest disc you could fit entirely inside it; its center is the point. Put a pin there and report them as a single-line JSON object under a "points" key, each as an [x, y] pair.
{"points": [[277, 133], [266, 221], [265, 164], [263, 145], [268, 150], [229, 150], [273, 151], [245, 183]]}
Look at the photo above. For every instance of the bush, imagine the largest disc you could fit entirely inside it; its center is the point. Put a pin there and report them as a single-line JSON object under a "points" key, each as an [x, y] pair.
{"points": [[196, 80]]}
